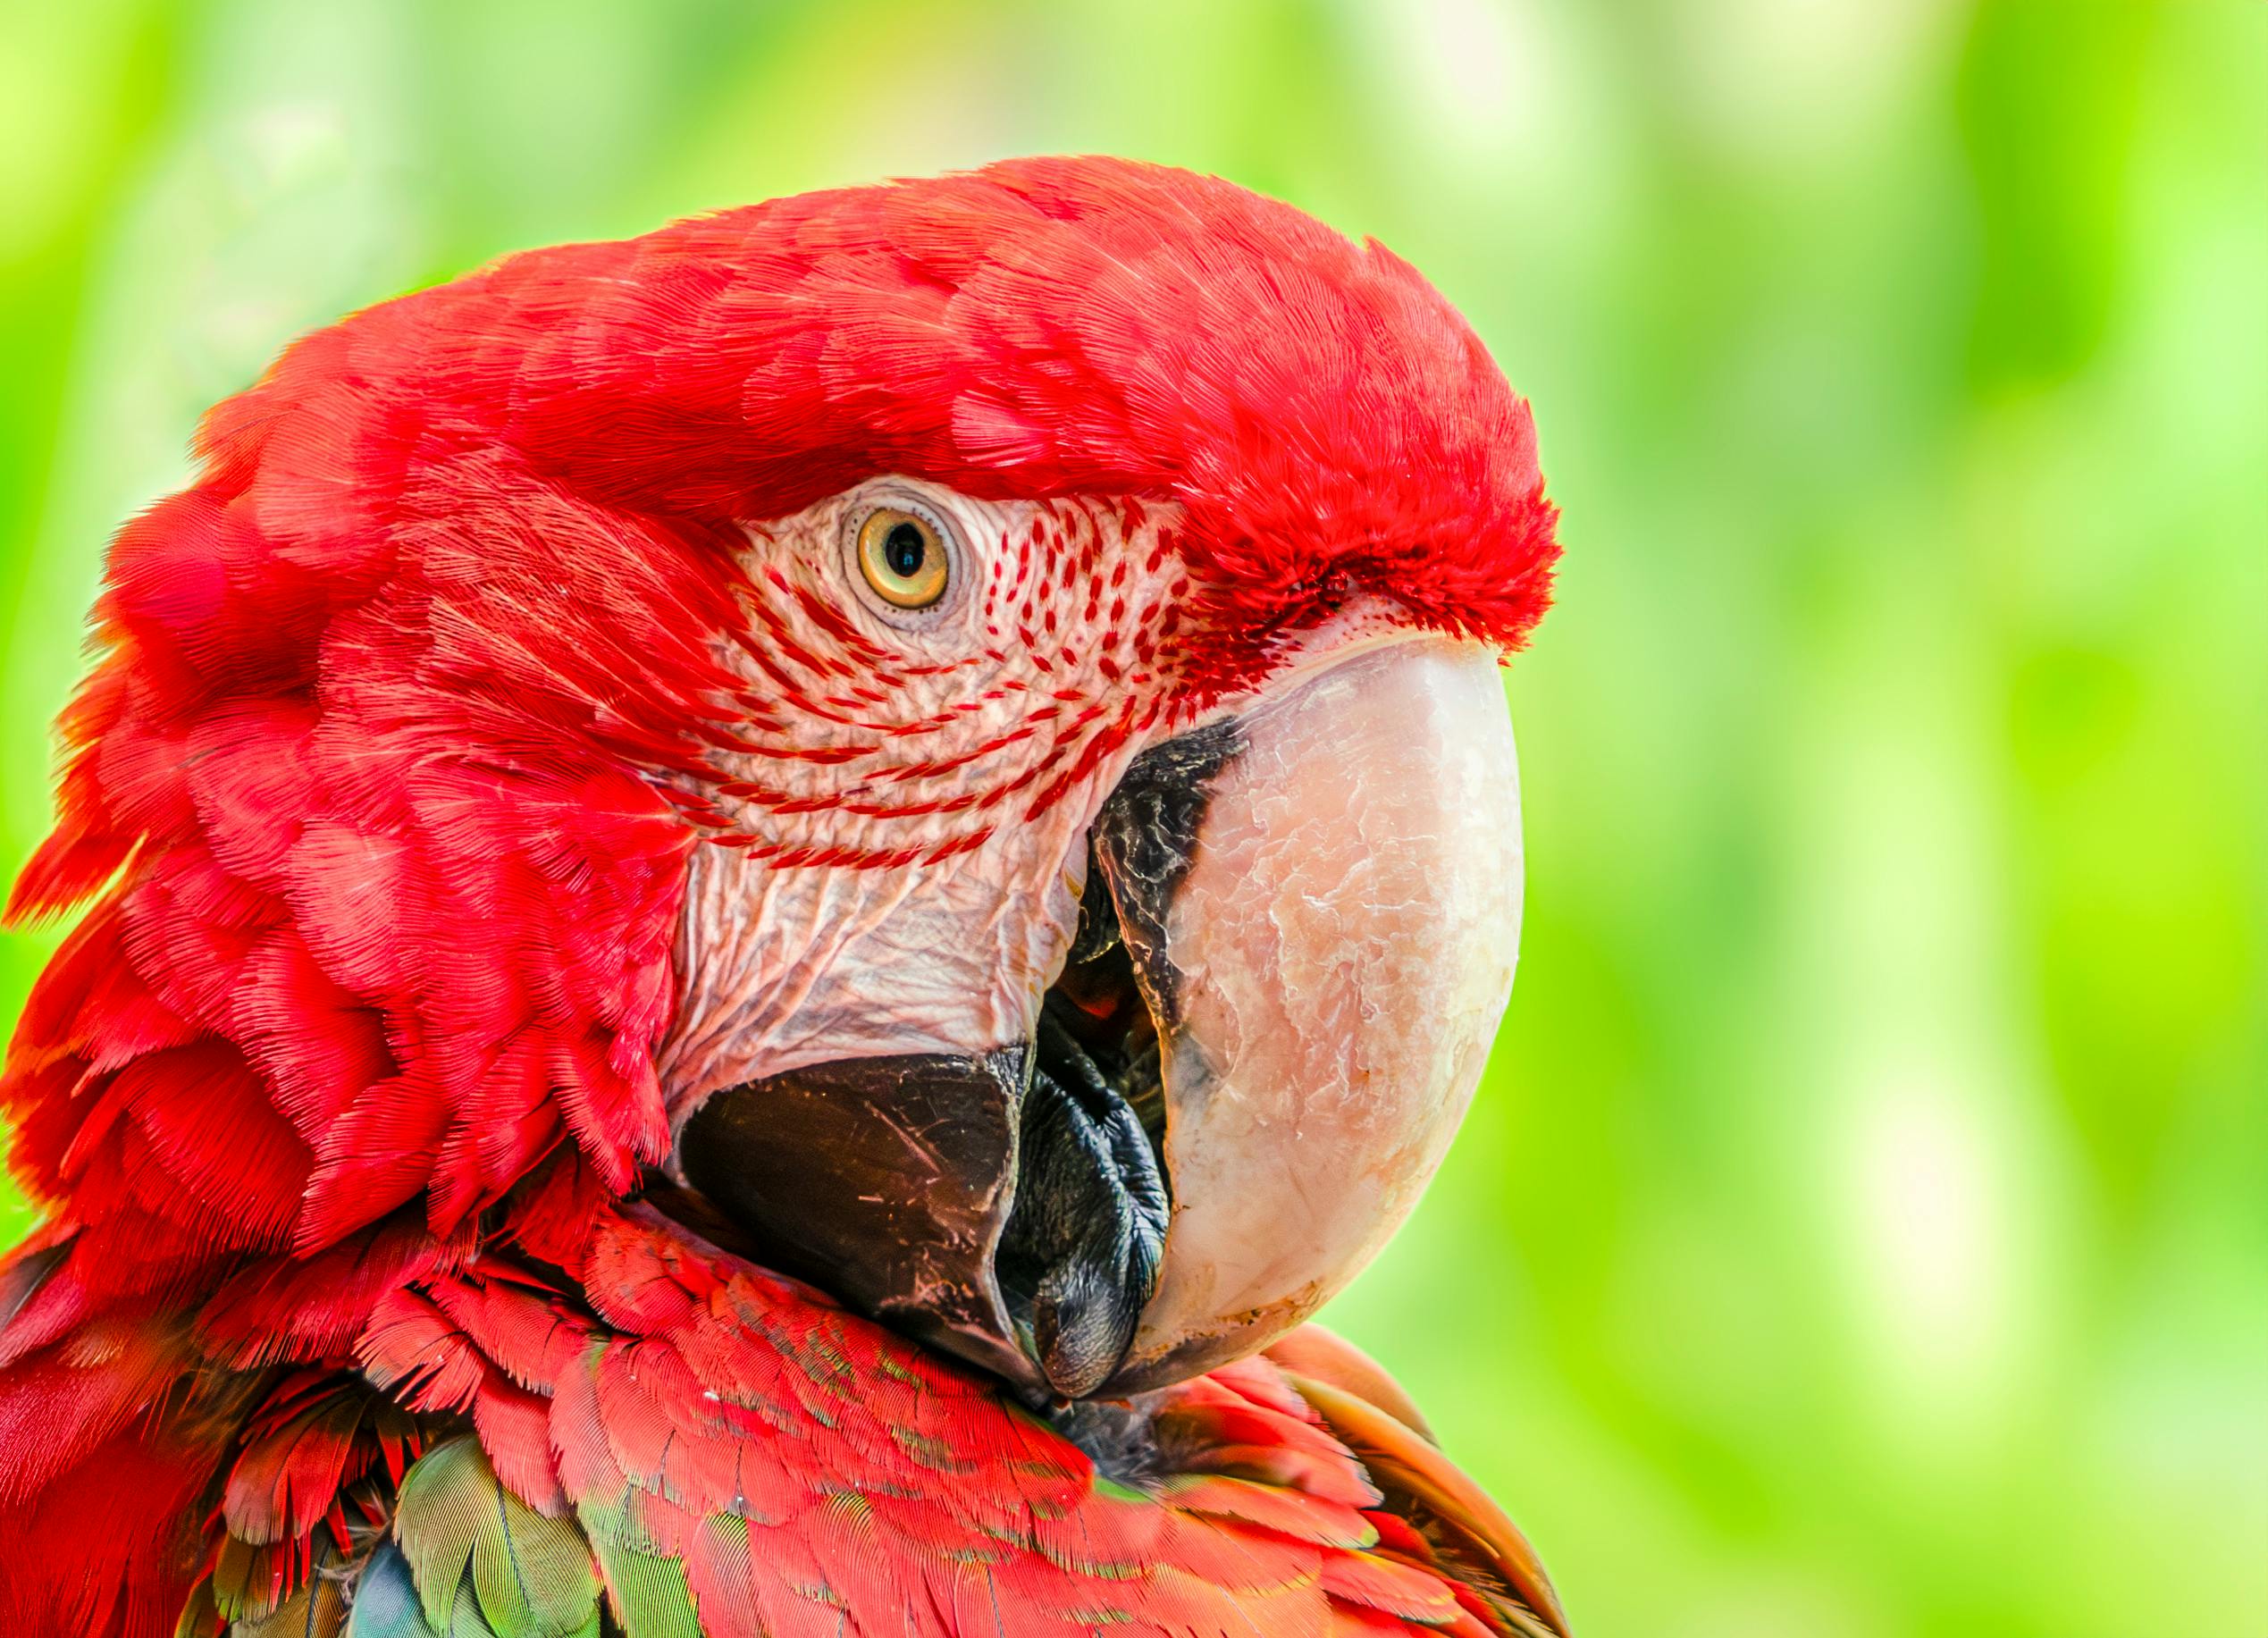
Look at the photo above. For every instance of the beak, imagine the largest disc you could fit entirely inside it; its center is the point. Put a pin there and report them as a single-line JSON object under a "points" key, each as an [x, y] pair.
{"points": [[1295, 945]]}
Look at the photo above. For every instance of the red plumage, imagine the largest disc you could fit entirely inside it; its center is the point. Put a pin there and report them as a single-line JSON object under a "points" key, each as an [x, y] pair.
{"points": [[381, 789]]}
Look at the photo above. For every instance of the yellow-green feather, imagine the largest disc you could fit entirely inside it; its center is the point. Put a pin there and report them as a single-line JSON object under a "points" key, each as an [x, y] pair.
{"points": [[467, 1538], [651, 1597]]}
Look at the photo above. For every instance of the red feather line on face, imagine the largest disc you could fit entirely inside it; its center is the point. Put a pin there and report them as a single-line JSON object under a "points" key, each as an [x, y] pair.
{"points": [[389, 774], [996, 736]]}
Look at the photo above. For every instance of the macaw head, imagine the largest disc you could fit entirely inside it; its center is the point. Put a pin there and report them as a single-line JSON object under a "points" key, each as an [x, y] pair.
{"points": [[959, 721]]}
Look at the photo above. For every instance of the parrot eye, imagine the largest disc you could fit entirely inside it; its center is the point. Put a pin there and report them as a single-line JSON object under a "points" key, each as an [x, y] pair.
{"points": [[904, 557]]}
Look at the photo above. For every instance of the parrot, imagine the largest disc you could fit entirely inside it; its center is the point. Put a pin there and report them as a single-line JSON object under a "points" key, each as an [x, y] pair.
{"points": [[760, 910]]}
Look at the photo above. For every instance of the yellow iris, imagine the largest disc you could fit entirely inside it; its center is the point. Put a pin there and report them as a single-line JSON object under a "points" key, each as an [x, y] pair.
{"points": [[903, 557]]}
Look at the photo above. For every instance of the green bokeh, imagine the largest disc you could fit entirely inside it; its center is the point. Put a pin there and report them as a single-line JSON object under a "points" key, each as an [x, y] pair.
{"points": [[1864, 1230]]}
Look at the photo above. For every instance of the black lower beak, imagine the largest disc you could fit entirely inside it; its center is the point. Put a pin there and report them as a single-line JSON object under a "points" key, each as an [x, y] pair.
{"points": [[1008, 1208], [1080, 1254], [886, 1181]]}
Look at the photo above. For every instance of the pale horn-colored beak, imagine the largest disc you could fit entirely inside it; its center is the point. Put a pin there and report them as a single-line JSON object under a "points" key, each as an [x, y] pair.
{"points": [[1333, 966], [1293, 956]]}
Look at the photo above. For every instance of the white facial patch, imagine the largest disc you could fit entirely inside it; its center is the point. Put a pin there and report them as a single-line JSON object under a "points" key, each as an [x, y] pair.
{"points": [[898, 845]]}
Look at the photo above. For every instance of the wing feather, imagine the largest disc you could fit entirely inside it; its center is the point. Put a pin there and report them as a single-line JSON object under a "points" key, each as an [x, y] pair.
{"points": [[742, 1458]]}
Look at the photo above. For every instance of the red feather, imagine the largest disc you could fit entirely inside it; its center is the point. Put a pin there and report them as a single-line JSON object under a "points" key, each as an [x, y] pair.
{"points": [[808, 1467]]}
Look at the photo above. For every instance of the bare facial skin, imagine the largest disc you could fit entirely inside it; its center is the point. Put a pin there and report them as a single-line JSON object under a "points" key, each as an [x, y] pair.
{"points": [[935, 747]]}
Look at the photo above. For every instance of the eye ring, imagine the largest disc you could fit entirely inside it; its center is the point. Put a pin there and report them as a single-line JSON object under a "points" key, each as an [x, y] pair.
{"points": [[904, 557]]}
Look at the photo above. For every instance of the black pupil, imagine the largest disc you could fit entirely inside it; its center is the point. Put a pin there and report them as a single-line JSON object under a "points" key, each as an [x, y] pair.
{"points": [[904, 550]]}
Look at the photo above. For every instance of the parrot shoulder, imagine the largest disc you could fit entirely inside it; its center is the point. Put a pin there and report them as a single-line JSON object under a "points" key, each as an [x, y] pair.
{"points": [[693, 1446]]}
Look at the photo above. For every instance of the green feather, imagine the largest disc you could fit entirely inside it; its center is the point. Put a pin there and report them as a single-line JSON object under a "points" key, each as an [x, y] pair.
{"points": [[464, 1618], [530, 1576], [316, 1610], [200, 1616], [534, 1575], [651, 1597], [650, 1593], [386, 1602]]}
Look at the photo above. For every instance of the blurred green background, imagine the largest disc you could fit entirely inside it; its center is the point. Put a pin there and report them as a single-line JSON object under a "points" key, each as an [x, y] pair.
{"points": [[1865, 1228]]}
